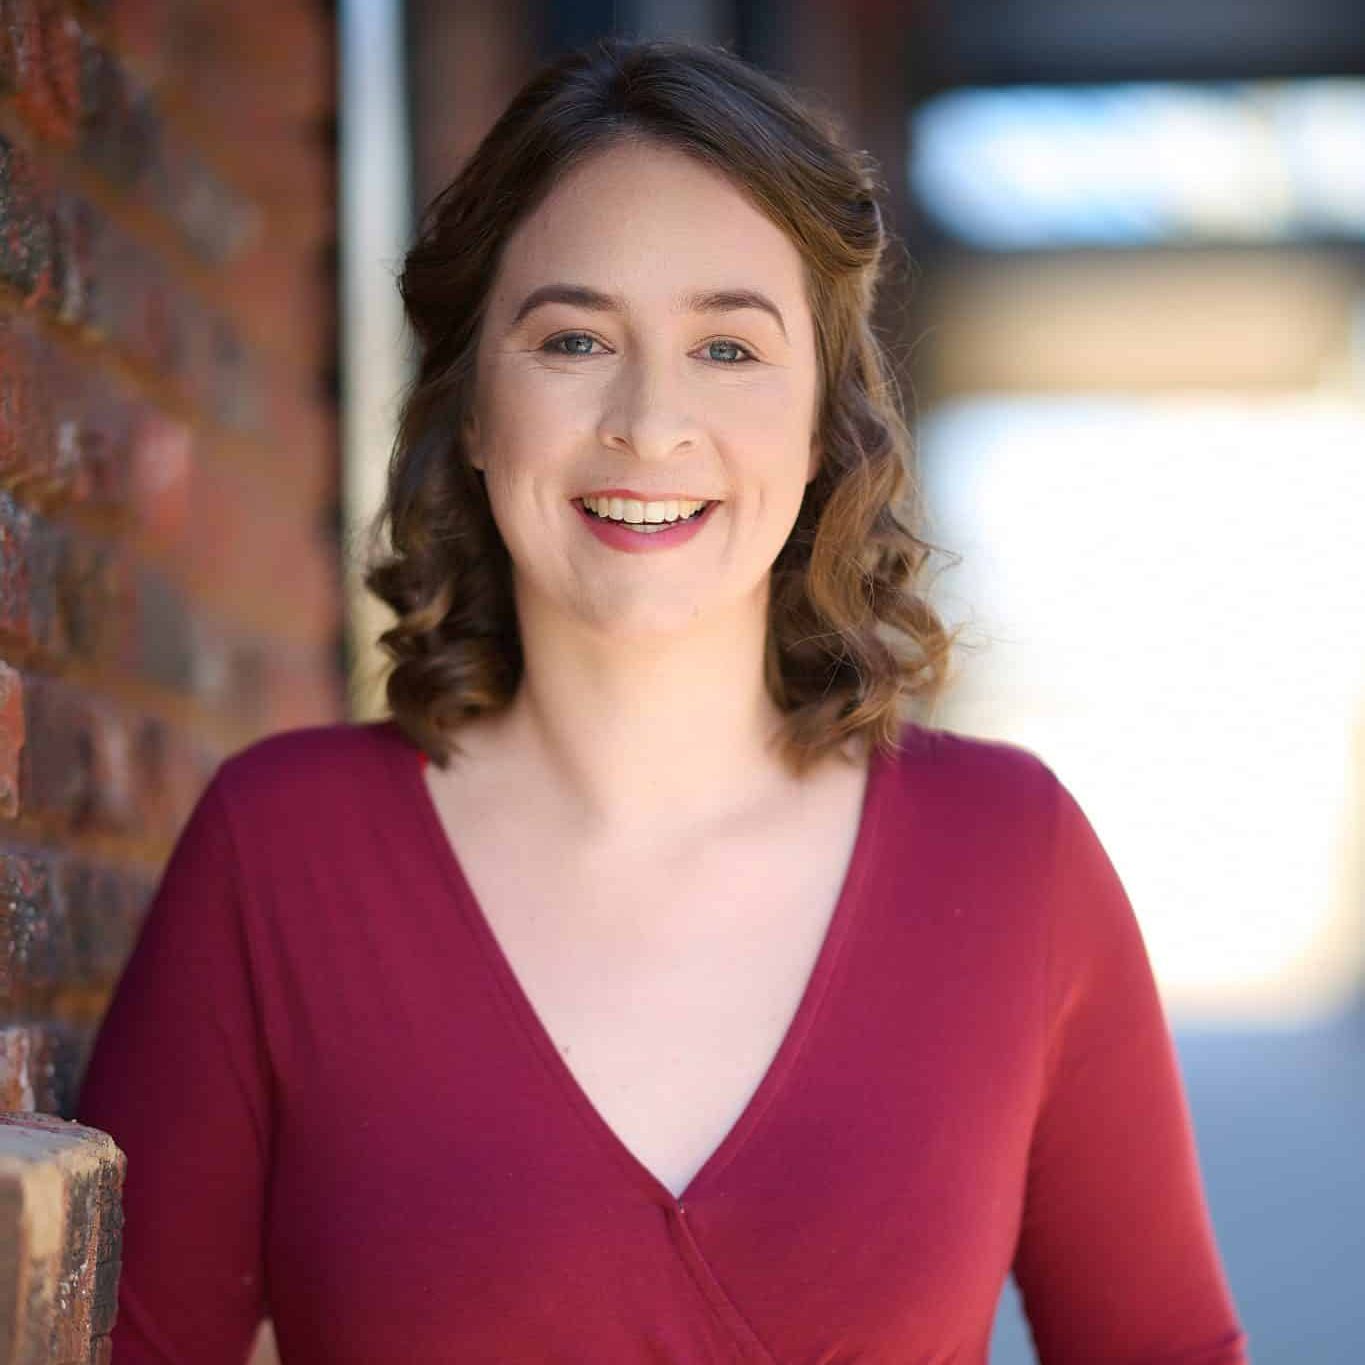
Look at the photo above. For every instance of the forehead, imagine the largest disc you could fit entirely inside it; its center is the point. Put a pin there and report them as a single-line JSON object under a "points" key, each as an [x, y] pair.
{"points": [[646, 220]]}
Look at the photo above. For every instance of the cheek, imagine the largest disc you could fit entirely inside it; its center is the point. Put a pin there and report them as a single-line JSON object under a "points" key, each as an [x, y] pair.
{"points": [[533, 422], [767, 425]]}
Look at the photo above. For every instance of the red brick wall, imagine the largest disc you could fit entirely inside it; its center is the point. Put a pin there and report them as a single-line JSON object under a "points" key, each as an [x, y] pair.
{"points": [[169, 583]]}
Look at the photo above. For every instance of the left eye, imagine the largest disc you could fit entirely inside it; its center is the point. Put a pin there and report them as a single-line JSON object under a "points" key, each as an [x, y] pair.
{"points": [[738, 354]]}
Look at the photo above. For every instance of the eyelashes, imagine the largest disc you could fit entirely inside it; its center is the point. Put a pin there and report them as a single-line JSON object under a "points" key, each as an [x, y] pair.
{"points": [[745, 355], [553, 347]]}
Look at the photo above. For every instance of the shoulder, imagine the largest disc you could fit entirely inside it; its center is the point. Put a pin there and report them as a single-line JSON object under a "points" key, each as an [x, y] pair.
{"points": [[312, 766], [984, 804], [1002, 807], [984, 774]]}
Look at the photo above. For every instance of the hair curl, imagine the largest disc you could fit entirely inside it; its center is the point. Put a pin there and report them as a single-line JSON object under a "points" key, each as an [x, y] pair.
{"points": [[851, 565]]}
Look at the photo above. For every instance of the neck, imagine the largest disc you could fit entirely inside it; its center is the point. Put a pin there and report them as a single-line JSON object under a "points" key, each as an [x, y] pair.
{"points": [[640, 736]]}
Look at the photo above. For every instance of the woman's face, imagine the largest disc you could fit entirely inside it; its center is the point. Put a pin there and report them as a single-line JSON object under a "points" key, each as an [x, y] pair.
{"points": [[647, 332]]}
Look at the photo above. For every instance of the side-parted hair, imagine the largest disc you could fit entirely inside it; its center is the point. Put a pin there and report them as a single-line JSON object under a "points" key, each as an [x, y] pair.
{"points": [[851, 568]]}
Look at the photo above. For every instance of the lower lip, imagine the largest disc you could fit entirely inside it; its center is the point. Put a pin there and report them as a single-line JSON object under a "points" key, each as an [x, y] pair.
{"points": [[633, 542]]}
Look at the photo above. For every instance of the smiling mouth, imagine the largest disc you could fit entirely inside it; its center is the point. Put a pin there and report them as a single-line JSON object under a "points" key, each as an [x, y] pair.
{"points": [[644, 527]]}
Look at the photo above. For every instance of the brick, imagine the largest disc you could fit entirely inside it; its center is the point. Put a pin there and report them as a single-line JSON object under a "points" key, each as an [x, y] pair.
{"points": [[98, 449], [47, 398], [248, 681], [64, 431], [124, 292], [305, 687], [170, 769], [32, 385], [17, 588], [224, 515], [319, 593], [11, 739], [120, 129], [231, 670], [30, 548], [219, 523], [76, 764], [109, 804], [47, 69], [24, 1080], [69, 924], [37, 942], [26, 236], [215, 367], [162, 633], [90, 765], [141, 29], [54, 765], [286, 62], [75, 223], [39, 1066], [237, 394], [51, 458], [150, 324], [124, 136], [215, 661], [23, 417], [286, 171], [104, 908], [9, 54], [217, 223], [61, 1224], [95, 599], [116, 278], [46, 545], [303, 431], [286, 294], [160, 452]]}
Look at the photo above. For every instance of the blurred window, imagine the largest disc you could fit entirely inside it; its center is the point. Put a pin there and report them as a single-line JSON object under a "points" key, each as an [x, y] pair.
{"points": [[1144, 163], [1167, 599]]}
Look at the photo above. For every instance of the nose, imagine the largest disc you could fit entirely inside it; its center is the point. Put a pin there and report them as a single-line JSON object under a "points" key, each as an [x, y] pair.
{"points": [[648, 408]]}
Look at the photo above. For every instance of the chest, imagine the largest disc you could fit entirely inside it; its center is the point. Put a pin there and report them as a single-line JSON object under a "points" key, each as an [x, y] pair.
{"points": [[666, 984]]}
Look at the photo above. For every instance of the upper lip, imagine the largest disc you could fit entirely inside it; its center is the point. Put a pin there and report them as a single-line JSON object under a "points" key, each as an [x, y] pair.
{"points": [[624, 493]]}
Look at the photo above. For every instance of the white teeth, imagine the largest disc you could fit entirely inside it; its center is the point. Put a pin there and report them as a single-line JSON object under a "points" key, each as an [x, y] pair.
{"points": [[635, 512]]}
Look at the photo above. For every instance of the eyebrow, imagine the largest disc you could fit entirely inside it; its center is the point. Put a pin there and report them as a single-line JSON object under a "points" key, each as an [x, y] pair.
{"points": [[713, 301]]}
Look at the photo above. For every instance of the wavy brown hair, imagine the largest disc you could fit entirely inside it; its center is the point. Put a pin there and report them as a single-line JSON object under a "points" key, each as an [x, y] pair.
{"points": [[851, 568]]}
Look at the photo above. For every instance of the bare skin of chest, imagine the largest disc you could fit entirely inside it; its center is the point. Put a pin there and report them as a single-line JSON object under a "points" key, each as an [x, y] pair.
{"points": [[667, 983]]}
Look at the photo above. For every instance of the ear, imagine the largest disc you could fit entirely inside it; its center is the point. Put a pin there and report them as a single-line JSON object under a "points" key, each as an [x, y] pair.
{"points": [[816, 456]]}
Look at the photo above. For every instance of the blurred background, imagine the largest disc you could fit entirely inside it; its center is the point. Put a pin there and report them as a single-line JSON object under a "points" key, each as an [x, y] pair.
{"points": [[1129, 323]]}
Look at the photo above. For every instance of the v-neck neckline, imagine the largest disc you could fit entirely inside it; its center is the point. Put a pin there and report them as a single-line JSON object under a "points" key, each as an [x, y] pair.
{"points": [[780, 1065]]}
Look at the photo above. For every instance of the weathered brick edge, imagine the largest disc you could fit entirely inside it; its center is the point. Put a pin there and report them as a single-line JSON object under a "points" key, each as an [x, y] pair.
{"points": [[60, 1237]]}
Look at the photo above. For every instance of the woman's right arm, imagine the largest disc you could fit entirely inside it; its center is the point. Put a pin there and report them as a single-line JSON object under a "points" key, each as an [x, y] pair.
{"points": [[180, 1078]]}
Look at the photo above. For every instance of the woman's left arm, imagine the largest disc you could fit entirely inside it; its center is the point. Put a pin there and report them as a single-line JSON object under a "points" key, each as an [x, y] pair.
{"points": [[1116, 1259]]}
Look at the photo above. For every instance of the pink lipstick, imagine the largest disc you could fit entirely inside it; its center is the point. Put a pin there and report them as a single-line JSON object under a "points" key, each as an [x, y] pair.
{"points": [[622, 536]]}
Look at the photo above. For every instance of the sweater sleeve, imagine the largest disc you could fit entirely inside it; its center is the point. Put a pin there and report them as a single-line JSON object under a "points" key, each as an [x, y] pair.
{"points": [[1116, 1260], [179, 1078]]}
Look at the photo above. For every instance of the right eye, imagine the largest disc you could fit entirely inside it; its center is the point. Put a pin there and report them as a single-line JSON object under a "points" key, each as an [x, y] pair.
{"points": [[569, 344]]}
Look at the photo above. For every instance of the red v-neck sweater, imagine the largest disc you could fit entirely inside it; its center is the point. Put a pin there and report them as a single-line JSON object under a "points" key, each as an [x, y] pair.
{"points": [[339, 1108]]}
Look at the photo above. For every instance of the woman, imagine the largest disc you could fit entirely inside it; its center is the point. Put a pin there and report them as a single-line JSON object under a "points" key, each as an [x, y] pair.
{"points": [[645, 989]]}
